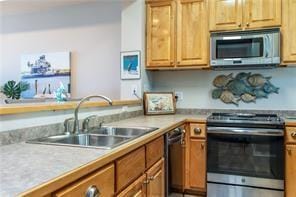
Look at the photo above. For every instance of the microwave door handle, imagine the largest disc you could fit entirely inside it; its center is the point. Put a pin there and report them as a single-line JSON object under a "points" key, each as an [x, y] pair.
{"points": [[266, 45]]}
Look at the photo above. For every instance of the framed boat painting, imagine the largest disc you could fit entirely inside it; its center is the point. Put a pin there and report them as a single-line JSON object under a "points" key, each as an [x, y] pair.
{"points": [[130, 65], [156, 103]]}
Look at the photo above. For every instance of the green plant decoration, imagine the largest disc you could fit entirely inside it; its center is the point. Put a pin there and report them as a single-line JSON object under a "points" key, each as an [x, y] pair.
{"points": [[13, 90]]}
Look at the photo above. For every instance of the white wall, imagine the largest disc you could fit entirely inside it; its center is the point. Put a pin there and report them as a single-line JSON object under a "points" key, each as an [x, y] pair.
{"points": [[197, 85], [91, 31], [133, 38]]}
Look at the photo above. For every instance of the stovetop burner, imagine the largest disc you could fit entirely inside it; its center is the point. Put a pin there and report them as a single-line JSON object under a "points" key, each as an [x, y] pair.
{"points": [[248, 119]]}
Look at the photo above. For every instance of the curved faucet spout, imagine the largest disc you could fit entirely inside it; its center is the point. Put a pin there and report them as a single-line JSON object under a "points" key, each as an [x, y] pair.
{"points": [[76, 121]]}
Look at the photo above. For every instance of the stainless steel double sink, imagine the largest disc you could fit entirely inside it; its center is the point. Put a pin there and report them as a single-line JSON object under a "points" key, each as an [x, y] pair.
{"points": [[106, 137]]}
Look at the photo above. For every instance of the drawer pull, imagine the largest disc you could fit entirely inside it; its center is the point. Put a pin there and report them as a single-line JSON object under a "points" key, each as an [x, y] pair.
{"points": [[92, 191], [197, 131], [293, 134]]}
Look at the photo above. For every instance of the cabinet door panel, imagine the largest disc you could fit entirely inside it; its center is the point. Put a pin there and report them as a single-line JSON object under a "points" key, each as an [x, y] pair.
{"points": [[289, 31], [192, 33], [197, 165], [262, 13], [160, 34], [136, 189], [225, 14], [290, 181], [155, 175]]}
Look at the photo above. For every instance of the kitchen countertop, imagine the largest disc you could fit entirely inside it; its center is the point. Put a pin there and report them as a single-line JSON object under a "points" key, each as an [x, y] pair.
{"points": [[25, 166]]}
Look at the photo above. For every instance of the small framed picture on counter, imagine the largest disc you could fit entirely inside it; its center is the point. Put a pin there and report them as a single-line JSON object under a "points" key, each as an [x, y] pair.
{"points": [[130, 65], [156, 103]]}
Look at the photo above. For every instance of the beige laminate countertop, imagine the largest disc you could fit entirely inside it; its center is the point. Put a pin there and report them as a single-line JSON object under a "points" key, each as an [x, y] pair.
{"points": [[36, 169]]}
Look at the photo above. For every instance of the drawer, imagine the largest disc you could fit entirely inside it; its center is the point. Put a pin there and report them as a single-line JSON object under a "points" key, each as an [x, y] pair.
{"points": [[129, 168], [197, 130], [103, 180], [290, 135], [154, 151]]}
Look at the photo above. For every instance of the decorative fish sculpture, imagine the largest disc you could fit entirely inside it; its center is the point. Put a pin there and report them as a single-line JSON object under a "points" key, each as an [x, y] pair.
{"points": [[269, 88], [242, 76], [248, 98], [260, 93], [216, 93], [258, 80], [238, 87], [222, 80], [228, 97]]}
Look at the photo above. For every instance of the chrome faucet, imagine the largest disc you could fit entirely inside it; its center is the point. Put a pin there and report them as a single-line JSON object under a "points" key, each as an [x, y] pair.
{"points": [[76, 120]]}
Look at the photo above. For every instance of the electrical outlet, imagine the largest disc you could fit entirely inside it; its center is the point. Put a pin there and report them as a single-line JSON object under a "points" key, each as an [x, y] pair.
{"points": [[134, 90], [179, 96]]}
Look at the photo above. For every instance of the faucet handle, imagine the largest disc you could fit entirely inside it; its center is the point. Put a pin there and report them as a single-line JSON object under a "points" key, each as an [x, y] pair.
{"points": [[66, 125], [85, 123]]}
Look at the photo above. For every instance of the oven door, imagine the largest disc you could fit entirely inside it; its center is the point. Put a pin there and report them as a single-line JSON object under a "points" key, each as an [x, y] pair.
{"points": [[248, 158]]}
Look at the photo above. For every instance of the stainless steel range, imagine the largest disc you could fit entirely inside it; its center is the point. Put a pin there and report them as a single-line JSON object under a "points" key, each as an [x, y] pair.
{"points": [[245, 155]]}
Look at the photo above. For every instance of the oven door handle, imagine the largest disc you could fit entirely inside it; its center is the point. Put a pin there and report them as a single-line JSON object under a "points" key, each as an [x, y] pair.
{"points": [[245, 131]]}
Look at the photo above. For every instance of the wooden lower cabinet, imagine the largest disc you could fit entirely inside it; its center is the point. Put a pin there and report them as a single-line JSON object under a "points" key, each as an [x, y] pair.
{"points": [[197, 165], [102, 180], [156, 180], [150, 184], [290, 174]]}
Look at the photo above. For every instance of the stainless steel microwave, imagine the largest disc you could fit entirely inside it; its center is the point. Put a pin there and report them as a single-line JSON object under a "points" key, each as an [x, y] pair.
{"points": [[245, 49]]}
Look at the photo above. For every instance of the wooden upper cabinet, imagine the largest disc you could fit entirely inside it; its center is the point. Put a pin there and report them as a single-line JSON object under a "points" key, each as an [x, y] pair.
{"points": [[290, 180], [289, 31], [192, 33], [160, 34], [262, 13], [156, 178], [225, 14]]}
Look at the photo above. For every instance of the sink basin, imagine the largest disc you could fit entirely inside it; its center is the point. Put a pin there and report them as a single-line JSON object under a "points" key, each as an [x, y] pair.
{"points": [[122, 131], [104, 137]]}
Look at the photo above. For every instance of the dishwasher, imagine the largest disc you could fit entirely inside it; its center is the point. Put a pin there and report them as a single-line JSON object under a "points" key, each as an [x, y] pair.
{"points": [[175, 160]]}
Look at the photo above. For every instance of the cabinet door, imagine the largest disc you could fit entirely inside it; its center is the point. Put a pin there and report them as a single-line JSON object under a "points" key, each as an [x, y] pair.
{"points": [[262, 13], [290, 181], [197, 165], [136, 189], [225, 14], [155, 176], [192, 33], [103, 181], [160, 34], [289, 31]]}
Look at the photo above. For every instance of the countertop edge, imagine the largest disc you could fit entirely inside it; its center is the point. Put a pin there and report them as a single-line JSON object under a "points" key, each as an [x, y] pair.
{"points": [[71, 176]]}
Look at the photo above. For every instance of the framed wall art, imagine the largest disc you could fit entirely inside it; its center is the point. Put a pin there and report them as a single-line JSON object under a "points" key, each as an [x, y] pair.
{"points": [[156, 103], [130, 65]]}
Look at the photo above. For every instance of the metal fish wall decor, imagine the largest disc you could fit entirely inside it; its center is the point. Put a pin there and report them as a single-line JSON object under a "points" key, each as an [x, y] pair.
{"points": [[246, 87]]}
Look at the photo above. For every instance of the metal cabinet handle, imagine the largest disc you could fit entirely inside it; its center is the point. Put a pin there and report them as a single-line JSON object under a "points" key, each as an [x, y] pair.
{"points": [[146, 182], [197, 130], [239, 25], [248, 24], [92, 191], [293, 134], [202, 146], [289, 151], [151, 178]]}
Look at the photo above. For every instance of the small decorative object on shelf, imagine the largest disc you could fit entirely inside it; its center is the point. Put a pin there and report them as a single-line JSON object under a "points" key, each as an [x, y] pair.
{"points": [[61, 93], [244, 86], [13, 90], [156, 103]]}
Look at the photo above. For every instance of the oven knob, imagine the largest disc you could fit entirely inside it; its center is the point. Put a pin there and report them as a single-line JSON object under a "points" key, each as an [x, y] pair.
{"points": [[243, 180]]}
